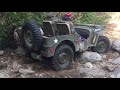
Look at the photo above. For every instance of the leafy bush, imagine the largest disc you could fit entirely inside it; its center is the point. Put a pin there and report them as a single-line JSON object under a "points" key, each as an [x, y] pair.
{"points": [[92, 18], [9, 21], [2, 35]]}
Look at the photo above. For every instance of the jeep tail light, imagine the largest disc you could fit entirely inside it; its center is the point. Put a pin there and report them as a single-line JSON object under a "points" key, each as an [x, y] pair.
{"points": [[52, 50]]}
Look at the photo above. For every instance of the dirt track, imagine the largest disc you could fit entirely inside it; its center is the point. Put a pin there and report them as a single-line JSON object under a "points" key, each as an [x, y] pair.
{"points": [[10, 61]]}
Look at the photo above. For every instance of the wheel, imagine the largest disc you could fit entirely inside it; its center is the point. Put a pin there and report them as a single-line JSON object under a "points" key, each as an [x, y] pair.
{"points": [[31, 36], [62, 58], [103, 45]]}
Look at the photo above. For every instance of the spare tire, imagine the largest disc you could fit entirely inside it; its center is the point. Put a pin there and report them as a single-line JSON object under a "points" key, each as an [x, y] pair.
{"points": [[32, 37]]}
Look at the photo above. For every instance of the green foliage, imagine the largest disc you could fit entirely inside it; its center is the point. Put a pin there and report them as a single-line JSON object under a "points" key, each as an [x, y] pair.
{"points": [[9, 21], [2, 34], [88, 17], [92, 18], [18, 18]]}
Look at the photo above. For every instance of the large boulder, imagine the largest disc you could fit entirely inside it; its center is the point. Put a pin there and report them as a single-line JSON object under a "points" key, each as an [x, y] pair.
{"points": [[90, 56], [116, 45]]}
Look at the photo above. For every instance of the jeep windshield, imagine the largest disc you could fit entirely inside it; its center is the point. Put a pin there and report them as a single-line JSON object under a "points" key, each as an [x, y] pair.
{"points": [[95, 27]]}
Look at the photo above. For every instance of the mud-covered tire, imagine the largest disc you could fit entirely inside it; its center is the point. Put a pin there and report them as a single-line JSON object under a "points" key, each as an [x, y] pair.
{"points": [[64, 52], [105, 42], [31, 28]]}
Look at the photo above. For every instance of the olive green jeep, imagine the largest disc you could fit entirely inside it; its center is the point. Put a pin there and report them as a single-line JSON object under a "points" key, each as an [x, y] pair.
{"points": [[60, 42]]}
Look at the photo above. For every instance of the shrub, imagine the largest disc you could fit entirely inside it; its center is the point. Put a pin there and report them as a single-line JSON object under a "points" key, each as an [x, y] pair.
{"points": [[9, 21], [92, 18]]}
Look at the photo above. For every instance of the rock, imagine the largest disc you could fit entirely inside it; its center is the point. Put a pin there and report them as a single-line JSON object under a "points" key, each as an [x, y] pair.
{"points": [[91, 57], [116, 45], [112, 55], [118, 76], [2, 75], [115, 55], [110, 68], [23, 76], [12, 54], [1, 53], [1, 66], [116, 61], [38, 66], [20, 51], [41, 75], [16, 66], [88, 65], [112, 76], [29, 67], [116, 73], [4, 64], [90, 72], [104, 56], [83, 74], [65, 77], [109, 60], [26, 71]]}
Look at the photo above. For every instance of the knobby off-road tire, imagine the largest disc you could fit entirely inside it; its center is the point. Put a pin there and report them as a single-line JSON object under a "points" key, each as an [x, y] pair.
{"points": [[62, 58], [103, 45], [31, 36]]}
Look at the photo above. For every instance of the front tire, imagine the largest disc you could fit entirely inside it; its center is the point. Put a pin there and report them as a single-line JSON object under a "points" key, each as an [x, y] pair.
{"points": [[103, 45], [62, 58]]}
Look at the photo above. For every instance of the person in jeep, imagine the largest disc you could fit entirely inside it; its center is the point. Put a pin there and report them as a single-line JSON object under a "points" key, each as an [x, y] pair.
{"points": [[68, 17]]}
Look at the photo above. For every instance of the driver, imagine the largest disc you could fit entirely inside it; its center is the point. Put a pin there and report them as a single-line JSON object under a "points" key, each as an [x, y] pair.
{"points": [[68, 17]]}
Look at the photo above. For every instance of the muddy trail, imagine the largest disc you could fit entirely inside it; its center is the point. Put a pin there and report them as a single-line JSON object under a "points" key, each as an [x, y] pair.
{"points": [[13, 65]]}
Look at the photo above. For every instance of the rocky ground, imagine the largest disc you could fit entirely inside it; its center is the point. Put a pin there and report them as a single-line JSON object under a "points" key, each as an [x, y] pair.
{"points": [[87, 65]]}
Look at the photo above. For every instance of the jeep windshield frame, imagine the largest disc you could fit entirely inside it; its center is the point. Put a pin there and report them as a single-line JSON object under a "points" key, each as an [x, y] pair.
{"points": [[95, 27]]}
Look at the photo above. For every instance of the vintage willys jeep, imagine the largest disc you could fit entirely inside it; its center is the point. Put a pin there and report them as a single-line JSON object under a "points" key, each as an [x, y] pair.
{"points": [[60, 42]]}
